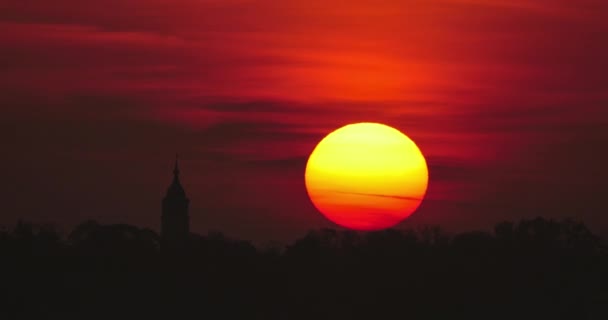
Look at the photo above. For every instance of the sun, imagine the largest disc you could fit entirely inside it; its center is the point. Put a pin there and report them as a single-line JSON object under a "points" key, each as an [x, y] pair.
{"points": [[366, 176]]}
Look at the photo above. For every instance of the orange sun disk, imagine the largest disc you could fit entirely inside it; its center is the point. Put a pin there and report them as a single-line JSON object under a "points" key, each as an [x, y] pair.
{"points": [[366, 176]]}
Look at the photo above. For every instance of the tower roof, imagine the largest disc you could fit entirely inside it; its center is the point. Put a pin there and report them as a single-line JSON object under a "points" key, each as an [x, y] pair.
{"points": [[176, 189]]}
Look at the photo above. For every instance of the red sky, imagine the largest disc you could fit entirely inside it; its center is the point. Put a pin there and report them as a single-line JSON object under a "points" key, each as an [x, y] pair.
{"points": [[507, 99]]}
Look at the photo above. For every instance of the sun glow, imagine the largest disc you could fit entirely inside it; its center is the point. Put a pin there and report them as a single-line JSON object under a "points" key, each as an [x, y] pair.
{"points": [[366, 176]]}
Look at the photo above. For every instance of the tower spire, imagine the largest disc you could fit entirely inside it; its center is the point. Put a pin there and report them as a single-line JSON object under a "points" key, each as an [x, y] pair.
{"points": [[176, 168], [176, 186]]}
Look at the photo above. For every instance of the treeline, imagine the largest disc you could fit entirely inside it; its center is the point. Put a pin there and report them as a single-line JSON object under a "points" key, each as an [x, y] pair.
{"points": [[531, 269]]}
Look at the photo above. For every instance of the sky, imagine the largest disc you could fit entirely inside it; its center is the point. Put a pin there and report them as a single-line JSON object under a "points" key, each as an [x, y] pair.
{"points": [[508, 101]]}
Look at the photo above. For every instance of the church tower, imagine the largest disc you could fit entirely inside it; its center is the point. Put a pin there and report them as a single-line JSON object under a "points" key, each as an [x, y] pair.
{"points": [[175, 221]]}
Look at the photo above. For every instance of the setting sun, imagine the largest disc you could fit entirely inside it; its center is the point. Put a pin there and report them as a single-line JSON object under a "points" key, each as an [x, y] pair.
{"points": [[366, 176]]}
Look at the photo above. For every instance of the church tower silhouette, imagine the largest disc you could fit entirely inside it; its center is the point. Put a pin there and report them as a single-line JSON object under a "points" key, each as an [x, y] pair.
{"points": [[175, 220]]}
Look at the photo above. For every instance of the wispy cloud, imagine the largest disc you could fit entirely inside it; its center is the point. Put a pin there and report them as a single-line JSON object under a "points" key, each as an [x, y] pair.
{"points": [[374, 195]]}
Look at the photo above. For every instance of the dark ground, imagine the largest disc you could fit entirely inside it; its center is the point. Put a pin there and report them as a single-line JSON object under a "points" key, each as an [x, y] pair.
{"points": [[533, 269]]}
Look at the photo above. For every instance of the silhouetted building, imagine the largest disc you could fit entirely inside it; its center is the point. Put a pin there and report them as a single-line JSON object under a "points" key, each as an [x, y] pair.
{"points": [[175, 220]]}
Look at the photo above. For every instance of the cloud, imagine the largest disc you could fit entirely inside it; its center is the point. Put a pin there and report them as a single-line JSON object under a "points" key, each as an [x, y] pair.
{"points": [[376, 195], [302, 50]]}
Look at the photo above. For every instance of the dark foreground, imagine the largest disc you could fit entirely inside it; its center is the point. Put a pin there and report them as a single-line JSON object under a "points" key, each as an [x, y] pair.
{"points": [[534, 269]]}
